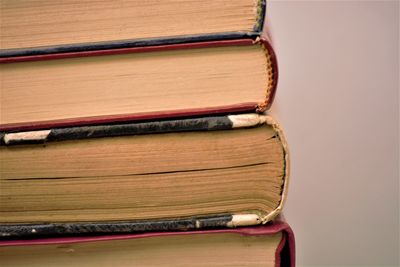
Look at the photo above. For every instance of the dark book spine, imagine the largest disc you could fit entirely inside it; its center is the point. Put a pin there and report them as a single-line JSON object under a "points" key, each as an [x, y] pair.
{"points": [[212, 123], [96, 131], [61, 229], [261, 12], [121, 44]]}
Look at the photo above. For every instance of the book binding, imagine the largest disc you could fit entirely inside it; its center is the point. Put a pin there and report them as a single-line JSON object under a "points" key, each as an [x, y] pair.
{"points": [[7, 54], [285, 254], [193, 124], [270, 89]]}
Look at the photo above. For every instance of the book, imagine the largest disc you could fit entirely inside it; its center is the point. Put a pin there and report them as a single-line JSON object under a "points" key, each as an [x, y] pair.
{"points": [[138, 83], [269, 245], [204, 172], [46, 27]]}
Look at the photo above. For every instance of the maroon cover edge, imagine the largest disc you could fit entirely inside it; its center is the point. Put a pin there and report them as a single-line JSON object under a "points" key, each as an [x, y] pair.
{"points": [[272, 228], [117, 51], [290, 244], [278, 256]]}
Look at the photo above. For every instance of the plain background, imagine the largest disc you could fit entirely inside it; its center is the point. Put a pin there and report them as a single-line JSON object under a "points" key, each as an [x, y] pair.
{"points": [[338, 100]]}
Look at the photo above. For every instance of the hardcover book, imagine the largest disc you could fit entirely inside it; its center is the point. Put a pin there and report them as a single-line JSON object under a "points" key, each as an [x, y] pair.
{"points": [[204, 172], [269, 245], [47, 27], [78, 63], [137, 83]]}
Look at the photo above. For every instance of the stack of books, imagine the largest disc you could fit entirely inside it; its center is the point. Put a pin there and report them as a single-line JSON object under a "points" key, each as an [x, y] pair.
{"points": [[134, 133]]}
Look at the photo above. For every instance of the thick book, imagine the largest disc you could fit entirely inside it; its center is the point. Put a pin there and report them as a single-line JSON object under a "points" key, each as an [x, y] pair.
{"points": [[47, 27], [269, 245], [137, 83], [204, 172]]}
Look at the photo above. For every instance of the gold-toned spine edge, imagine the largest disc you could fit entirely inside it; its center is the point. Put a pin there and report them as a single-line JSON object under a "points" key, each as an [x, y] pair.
{"points": [[261, 107], [275, 125]]}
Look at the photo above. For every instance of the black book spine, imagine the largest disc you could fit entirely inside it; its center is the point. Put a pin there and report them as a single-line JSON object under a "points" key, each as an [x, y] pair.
{"points": [[97, 131], [12, 231]]}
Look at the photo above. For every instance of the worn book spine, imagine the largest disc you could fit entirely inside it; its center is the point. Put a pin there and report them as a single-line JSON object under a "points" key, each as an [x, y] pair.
{"points": [[122, 44], [183, 224], [155, 127], [211, 123]]}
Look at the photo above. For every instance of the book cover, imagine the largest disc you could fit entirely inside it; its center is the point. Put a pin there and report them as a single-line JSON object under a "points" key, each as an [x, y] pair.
{"points": [[281, 252], [57, 99], [21, 176], [84, 26]]}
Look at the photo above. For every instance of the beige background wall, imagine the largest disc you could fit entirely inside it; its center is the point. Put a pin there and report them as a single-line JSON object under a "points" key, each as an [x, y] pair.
{"points": [[338, 100]]}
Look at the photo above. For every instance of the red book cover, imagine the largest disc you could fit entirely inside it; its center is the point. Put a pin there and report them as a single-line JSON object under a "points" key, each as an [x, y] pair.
{"points": [[284, 251]]}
